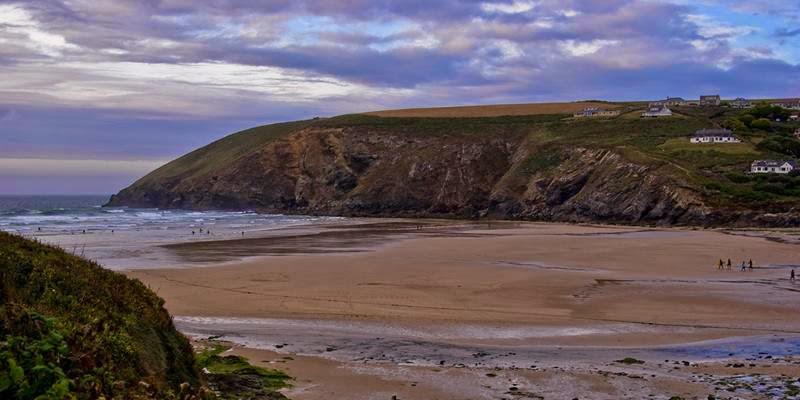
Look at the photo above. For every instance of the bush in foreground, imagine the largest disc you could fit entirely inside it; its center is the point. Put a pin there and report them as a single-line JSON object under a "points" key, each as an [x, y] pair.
{"points": [[71, 329]]}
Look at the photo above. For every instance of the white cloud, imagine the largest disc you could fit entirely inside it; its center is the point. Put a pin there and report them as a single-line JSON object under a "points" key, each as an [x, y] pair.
{"points": [[19, 28], [208, 89], [710, 28], [579, 49], [516, 7]]}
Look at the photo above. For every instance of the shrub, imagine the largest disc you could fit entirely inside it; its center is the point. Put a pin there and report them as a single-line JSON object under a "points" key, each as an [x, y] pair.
{"points": [[761, 123], [737, 177], [68, 328]]}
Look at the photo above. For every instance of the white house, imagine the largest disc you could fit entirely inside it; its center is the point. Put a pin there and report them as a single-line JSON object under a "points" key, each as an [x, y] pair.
{"points": [[673, 101], [741, 102], [714, 136], [793, 104], [657, 111], [773, 166], [595, 112], [710, 100]]}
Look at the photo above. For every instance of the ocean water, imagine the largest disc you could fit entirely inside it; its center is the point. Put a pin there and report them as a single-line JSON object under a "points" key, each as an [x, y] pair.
{"points": [[122, 237]]}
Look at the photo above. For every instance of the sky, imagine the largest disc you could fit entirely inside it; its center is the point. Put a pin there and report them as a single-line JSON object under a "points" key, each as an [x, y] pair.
{"points": [[96, 93]]}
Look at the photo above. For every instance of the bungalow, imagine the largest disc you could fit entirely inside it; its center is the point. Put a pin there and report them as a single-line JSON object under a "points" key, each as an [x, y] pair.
{"points": [[714, 136], [792, 104], [710, 100], [773, 166], [595, 112], [740, 102], [657, 111], [674, 101]]}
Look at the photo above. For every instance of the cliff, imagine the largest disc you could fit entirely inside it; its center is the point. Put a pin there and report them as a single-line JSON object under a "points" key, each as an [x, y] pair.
{"points": [[536, 167]]}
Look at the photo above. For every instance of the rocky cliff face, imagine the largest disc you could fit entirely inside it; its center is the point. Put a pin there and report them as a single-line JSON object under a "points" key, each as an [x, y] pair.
{"points": [[377, 171]]}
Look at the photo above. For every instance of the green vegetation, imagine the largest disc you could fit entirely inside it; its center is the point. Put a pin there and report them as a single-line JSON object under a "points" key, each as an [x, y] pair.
{"points": [[233, 377], [422, 126], [761, 123], [630, 361], [226, 151], [71, 329], [543, 160]]}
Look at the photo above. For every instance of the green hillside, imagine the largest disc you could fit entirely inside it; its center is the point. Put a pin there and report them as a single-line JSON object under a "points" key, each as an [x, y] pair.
{"points": [[553, 167], [71, 329], [222, 152]]}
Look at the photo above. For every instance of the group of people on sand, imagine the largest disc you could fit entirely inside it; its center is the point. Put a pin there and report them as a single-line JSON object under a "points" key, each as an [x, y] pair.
{"points": [[747, 266], [744, 266], [208, 232]]}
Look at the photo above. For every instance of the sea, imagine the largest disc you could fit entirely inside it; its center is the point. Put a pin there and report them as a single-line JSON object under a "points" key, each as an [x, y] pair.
{"points": [[123, 237]]}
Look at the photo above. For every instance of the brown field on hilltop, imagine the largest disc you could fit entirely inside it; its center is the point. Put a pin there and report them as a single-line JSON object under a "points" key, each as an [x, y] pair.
{"points": [[494, 110]]}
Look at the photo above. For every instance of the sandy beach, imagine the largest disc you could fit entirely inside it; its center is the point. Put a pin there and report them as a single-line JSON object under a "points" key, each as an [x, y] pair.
{"points": [[452, 310]]}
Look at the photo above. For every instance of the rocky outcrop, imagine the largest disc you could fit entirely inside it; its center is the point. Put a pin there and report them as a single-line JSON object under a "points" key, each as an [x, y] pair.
{"points": [[356, 170]]}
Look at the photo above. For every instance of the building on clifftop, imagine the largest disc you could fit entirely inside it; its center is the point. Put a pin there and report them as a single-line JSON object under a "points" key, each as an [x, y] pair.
{"points": [[740, 102], [595, 112], [710, 100], [657, 111], [773, 166], [714, 136]]}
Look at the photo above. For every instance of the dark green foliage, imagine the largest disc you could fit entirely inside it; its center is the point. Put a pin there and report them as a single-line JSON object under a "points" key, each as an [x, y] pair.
{"points": [[761, 123], [30, 365], [734, 124], [746, 119], [630, 360], [419, 126], [781, 145], [543, 160], [737, 177], [69, 326], [234, 378], [768, 112]]}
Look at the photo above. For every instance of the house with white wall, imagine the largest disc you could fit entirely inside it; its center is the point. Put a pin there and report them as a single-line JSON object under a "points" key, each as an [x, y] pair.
{"points": [[714, 136], [773, 166], [657, 111]]}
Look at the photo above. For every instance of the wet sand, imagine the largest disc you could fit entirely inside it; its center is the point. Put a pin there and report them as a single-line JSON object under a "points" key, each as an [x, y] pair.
{"points": [[441, 303]]}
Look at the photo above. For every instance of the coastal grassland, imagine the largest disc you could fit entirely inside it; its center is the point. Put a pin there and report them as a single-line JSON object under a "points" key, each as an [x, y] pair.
{"points": [[221, 153], [68, 327], [440, 126], [496, 110], [720, 171]]}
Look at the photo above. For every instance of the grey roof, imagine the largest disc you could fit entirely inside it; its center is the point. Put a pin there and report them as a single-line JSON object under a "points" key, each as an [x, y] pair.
{"points": [[773, 163], [657, 108]]}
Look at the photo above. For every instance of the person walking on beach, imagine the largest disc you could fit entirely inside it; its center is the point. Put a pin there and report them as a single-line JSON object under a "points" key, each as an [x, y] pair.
{"points": [[729, 263], [750, 264], [791, 276], [744, 266], [721, 264]]}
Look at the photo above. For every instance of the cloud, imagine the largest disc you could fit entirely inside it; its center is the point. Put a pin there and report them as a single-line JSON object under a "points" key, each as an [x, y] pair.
{"points": [[135, 71]]}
